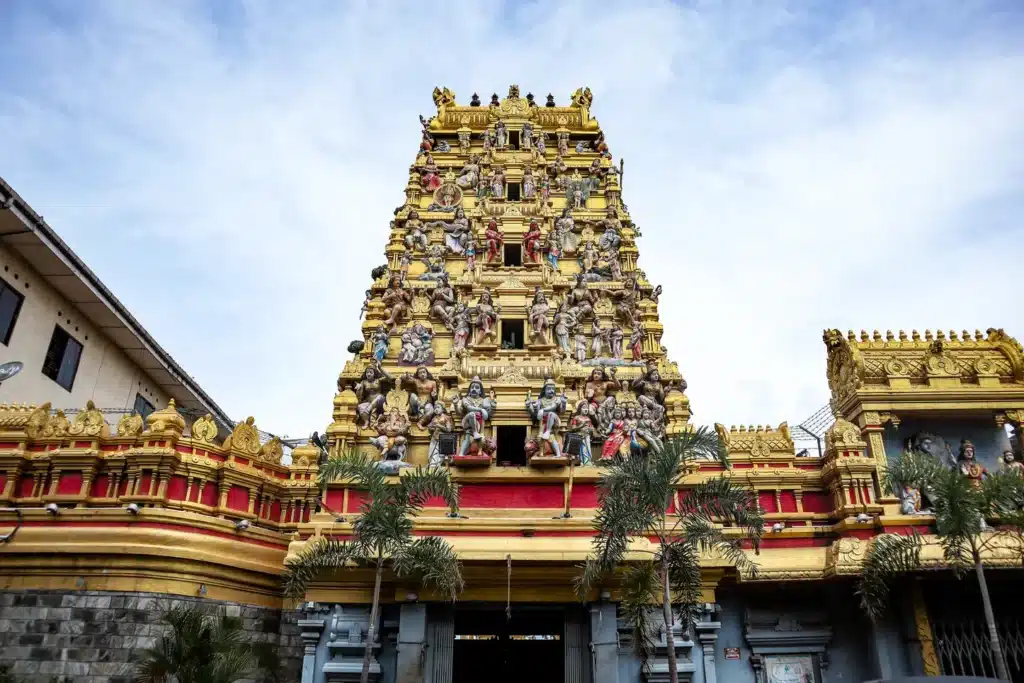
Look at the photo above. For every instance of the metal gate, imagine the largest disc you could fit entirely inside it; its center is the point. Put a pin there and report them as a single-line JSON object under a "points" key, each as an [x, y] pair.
{"points": [[964, 648]]}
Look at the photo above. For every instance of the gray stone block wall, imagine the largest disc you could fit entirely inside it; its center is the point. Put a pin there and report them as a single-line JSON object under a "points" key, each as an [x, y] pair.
{"points": [[89, 636]]}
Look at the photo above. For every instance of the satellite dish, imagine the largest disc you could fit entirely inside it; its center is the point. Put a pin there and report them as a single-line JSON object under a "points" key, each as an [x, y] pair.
{"points": [[9, 370]]}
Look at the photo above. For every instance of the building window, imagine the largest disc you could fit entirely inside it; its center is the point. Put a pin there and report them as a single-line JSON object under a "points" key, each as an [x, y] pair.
{"points": [[10, 306], [511, 334], [513, 255], [512, 445], [62, 356], [513, 139], [142, 406], [513, 192]]}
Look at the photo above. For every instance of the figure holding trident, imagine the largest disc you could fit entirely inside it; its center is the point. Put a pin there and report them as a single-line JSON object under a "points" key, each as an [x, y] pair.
{"points": [[546, 411]]}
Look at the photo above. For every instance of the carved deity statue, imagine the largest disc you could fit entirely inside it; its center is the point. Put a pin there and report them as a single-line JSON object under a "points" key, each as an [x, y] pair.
{"points": [[370, 393], [968, 465], [456, 232], [417, 345], [500, 135], [626, 301], [565, 323], [430, 175], [486, 318], [547, 410], [470, 174], [580, 344], [1011, 464], [529, 183], [462, 326], [539, 316], [435, 262], [440, 423], [615, 340], [616, 436], [650, 392], [379, 343], [526, 138], [636, 340], [531, 244], [392, 440], [599, 337], [442, 301], [589, 257], [498, 182], [564, 228], [552, 249], [584, 423], [415, 238], [539, 143], [475, 409], [398, 299], [600, 390], [495, 241], [423, 393], [471, 248], [581, 298]]}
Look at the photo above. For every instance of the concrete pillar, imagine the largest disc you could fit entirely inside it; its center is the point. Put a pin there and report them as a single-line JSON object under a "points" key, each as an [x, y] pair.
{"points": [[311, 629], [707, 635], [604, 643], [412, 642]]}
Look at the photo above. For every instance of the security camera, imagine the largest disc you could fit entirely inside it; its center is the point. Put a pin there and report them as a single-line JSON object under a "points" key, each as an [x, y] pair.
{"points": [[132, 509], [241, 525], [53, 509]]}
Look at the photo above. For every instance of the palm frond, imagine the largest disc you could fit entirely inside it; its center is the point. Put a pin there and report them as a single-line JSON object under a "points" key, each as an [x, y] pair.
{"points": [[1002, 494], [421, 484], [357, 466], [318, 557], [641, 591], [890, 556], [720, 499], [704, 536], [958, 505], [434, 561], [683, 561], [700, 444], [383, 526], [916, 470]]}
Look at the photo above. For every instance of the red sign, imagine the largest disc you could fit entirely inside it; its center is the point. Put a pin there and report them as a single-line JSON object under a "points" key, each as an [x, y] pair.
{"points": [[732, 653]]}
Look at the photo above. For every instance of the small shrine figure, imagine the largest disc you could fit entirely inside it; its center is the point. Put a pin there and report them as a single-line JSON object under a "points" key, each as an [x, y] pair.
{"points": [[601, 146], [366, 304], [600, 337], [526, 137], [440, 423], [470, 174], [464, 141], [417, 345], [476, 409], [498, 183], [379, 343], [581, 298], [456, 232], [615, 337], [544, 186], [583, 422], [910, 500], [444, 146], [538, 142], [564, 228], [415, 238], [648, 389], [582, 147], [563, 143], [500, 135], [1011, 464], [495, 240], [626, 300], [423, 393], [392, 440], [565, 321], [369, 393], [610, 240], [398, 299], [531, 243], [656, 294], [529, 183], [552, 249], [488, 139], [435, 262], [470, 253], [442, 301], [539, 316], [462, 325], [968, 465], [636, 340], [430, 176], [546, 410], [486, 321], [580, 344], [589, 257], [404, 261], [600, 391], [617, 438]]}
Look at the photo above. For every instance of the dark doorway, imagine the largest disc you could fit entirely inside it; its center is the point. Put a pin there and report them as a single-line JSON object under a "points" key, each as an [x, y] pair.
{"points": [[513, 192], [512, 445], [512, 334], [513, 255], [513, 140], [528, 647]]}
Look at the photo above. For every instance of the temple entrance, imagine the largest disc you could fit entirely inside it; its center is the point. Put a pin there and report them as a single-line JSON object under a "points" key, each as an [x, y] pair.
{"points": [[527, 647]]}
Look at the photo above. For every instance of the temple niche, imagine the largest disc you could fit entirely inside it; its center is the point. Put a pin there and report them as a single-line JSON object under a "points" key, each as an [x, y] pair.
{"points": [[511, 265]]}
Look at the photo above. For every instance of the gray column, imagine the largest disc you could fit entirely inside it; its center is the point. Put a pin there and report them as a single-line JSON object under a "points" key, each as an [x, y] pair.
{"points": [[311, 629], [707, 635], [604, 643], [412, 641]]}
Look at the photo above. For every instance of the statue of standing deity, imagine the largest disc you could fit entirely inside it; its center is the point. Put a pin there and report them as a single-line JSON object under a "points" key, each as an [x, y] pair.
{"points": [[495, 240], [440, 423], [475, 409], [546, 410], [398, 299], [636, 340], [498, 182], [379, 343], [500, 135], [539, 316], [565, 322], [462, 326], [415, 238], [615, 337], [430, 175], [529, 183], [470, 175], [369, 393], [486, 321], [531, 243], [584, 423], [526, 138], [552, 249], [564, 228]]}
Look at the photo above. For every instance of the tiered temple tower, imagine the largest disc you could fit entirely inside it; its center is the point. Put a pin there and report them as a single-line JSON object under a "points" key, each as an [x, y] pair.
{"points": [[512, 274]]}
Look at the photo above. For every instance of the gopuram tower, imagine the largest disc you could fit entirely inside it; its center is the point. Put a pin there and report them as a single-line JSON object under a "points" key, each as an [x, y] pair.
{"points": [[511, 324]]}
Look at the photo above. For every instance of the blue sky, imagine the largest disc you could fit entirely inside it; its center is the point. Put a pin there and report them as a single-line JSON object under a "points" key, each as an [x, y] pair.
{"points": [[229, 169]]}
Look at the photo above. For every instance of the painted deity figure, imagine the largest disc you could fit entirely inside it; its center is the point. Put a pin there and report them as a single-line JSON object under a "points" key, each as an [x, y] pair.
{"points": [[498, 182], [398, 299], [600, 390], [415, 238], [531, 243], [404, 262], [581, 298], [615, 340], [392, 440], [599, 336], [423, 393], [968, 465], [440, 423], [442, 301], [462, 325], [369, 393], [529, 183], [616, 436], [470, 174], [366, 304], [538, 142], [1011, 464], [910, 500], [636, 340], [650, 393], [564, 228], [626, 301], [526, 137], [547, 410], [417, 345], [475, 409], [500, 135], [584, 423], [486, 321], [552, 249], [544, 187], [580, 344], [495, 240], [539, 316], [465, 143], [563, 144], [379, 343], [589, 257], [648, 432], [565, 321], [430, 176], [487, 137], [471, 249], [457, 232], [435, 262]]}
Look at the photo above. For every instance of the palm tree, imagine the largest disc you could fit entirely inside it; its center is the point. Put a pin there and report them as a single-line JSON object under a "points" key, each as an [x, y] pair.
{"points": [[204, 648], [961, 507], [636, 494], [382, 535]]}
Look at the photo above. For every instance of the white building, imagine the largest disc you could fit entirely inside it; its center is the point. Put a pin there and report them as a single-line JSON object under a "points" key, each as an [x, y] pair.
{"points": [[76, 340]]}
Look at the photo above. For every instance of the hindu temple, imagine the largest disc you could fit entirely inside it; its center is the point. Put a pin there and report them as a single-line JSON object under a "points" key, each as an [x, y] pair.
{"points": [[511, 336]]}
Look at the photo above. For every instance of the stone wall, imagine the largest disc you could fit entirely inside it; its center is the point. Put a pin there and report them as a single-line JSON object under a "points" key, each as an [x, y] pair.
{"points": [[88, 636]]}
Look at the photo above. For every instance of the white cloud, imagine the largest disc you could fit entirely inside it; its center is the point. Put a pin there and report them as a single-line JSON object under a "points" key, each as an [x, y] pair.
{"points": [[230, 171]]}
